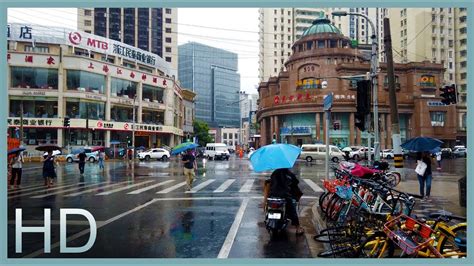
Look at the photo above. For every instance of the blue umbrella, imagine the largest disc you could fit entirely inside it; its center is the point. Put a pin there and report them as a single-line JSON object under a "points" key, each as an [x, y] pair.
{"points": [[422, 144], [274, 156], [15, 150], [435, 150], [183, 147]]}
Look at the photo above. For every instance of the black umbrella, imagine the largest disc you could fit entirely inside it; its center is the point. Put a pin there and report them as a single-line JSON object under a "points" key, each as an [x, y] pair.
{"points": [[15, 150], [48, 147]]}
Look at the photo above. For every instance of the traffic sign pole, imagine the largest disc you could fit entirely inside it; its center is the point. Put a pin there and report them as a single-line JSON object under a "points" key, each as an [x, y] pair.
{"points": [[327, 108]]}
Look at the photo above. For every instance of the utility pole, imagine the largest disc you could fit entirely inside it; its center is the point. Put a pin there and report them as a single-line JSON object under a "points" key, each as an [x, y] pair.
{"points": [[21, 123], [396, 139]]}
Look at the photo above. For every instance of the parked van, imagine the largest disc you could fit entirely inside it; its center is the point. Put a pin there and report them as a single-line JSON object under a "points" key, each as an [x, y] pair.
{"points": [[312, 152], [217, 151]]}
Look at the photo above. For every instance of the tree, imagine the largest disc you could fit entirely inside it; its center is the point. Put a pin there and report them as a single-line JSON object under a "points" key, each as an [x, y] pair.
{"points": [[201, 131]]}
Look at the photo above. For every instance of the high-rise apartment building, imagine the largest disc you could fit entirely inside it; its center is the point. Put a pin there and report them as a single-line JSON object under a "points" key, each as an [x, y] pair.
{"points": [[150, 29], [212, 74], [460, 42], [279, 28], [420, 34]]}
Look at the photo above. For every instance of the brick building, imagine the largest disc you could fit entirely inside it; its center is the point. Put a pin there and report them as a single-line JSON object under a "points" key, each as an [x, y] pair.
{"points": [[291, 105]]}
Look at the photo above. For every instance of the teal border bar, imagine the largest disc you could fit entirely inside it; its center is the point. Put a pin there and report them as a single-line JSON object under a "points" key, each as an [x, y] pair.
{"points": [[4, 4]]}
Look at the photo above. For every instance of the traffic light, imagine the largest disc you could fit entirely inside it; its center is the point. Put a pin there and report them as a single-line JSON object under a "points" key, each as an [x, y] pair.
{"points": [[363, 103], [360, 121], [450, 95], [67, 122], [129, 141]]}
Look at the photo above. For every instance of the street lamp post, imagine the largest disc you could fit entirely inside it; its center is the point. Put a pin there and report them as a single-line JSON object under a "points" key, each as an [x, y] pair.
{"points": [[133, 124], [374, 65]]}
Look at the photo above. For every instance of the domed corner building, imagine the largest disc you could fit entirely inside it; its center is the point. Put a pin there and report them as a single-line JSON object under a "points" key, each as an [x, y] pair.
{"points": [[291, 105]]}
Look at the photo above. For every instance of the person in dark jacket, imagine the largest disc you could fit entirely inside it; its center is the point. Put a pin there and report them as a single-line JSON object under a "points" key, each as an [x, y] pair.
{"points": [[426, 178], [82, 161], [49, 172], [284, 184]]}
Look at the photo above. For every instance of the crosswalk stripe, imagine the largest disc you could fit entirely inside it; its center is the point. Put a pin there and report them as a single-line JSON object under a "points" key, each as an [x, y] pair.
{"points": [[182, 184], [45, 190], [123, 188], [201, 186], [94, 189], [138, 191], [247, 186], [313, 185], [67, 190], [224, 186], [24, 189]]}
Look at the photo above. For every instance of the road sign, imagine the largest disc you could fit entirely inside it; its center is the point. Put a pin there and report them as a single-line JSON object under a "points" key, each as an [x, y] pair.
{"points": [[328, 102]]}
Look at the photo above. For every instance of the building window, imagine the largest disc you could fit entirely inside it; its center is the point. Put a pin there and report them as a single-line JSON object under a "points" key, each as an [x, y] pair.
{"points": [[122, 87], [321, 44], [37, 78], [168, 10], [450, 65], [168, 49], [275, 70], [309, 45], [39, 108], [37, 49], [275, 37], [463, 30], [152, 94], [85, 81], [463, 53], [225, 136], [437, 119], [121, 113], [450, 76], [87, 23], [168, 30], [463, 64], [168, 59], [76, 108], [463, 76], [153, 117], [167, 20], [88, 12], [275, 11], [289, 38], [168, 40]]}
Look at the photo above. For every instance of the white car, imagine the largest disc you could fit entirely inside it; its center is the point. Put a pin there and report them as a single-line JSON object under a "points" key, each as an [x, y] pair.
{"points": [[362, 153], [159, 154], [310, 152], [387, 154], [217, 151]]}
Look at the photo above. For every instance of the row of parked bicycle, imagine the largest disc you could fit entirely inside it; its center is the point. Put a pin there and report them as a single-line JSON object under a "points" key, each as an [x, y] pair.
{"points": [[367, 217]]}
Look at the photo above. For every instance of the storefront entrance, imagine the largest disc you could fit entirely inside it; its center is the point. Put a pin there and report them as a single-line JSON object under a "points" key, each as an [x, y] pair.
{"points": [[142, 141]]}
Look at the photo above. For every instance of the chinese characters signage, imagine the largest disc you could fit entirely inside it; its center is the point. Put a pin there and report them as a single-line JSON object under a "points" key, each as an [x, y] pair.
{"points": [[295, 131], [282, 99]]}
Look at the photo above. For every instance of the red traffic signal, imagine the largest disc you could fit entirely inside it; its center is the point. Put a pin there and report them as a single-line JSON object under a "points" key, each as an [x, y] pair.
{"points": [[449, 94]]}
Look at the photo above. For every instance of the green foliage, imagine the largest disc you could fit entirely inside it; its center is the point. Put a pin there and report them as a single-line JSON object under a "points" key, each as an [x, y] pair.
{"points": [[201, 131]]}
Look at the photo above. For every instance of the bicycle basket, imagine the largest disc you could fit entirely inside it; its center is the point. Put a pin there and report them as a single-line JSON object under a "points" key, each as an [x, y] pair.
{"points": [[408, 234], [344, 192]]}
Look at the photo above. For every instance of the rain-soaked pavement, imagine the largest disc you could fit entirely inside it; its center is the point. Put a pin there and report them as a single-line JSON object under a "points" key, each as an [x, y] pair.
{"points": [[144, 211]]}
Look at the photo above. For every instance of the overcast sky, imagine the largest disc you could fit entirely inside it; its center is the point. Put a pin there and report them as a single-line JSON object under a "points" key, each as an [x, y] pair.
{"points": [[232, 29]]}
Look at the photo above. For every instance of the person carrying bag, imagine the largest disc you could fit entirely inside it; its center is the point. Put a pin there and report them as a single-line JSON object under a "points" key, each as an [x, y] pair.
{"points": [[424, 174]]}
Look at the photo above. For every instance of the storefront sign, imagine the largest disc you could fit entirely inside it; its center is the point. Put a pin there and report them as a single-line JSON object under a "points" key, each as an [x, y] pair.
{"points": [[35, 122], [309, 84], [153, 105], [279, 99], [295, 131], [427, 81], [95, 97], [431, 103], [57, 35], [33, 93]]}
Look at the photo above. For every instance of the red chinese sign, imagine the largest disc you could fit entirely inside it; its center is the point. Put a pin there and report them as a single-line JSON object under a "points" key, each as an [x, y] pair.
{"points": [[29, 59], [105, 68], [50, 61], [119, 71], [91, 66]]}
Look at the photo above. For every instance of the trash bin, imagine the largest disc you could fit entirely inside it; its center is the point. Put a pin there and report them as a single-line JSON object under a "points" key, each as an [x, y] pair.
{"points": [[462, 191]]}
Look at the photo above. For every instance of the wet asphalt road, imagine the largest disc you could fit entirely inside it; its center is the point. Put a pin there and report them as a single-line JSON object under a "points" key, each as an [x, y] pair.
{"points": [[144, 211]]}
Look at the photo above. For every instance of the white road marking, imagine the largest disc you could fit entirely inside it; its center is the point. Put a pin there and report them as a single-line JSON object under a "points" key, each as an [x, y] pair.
{"points": [[247, 186], [54, 188], [313, 185], [229, 240], [123, 188], [138, 191], [24, 189], [85, 232], [182, 184], [94, 189], [224, 186], [200, 186], [67, 190]]}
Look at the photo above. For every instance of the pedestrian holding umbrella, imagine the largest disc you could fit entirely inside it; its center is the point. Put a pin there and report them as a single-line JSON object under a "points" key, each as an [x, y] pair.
{"points": [[422, 144], [16, 165], [49, 171]]}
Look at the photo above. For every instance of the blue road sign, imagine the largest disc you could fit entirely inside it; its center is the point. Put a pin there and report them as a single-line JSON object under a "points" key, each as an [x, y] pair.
{"points": [[328, 102]]}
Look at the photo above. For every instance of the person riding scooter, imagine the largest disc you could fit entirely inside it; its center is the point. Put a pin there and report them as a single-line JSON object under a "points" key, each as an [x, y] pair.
{"points": [[284, 184]]}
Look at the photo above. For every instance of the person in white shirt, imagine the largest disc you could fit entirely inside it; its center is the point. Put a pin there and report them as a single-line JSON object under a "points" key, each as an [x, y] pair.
{"points": [[17, 165], [438, 159]]}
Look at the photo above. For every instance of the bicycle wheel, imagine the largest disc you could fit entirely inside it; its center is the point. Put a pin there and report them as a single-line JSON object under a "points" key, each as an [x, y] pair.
{"points": [[330, 202], [324, 200], [392, 179], [447, 245], [377, 246], [335, 211]]}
